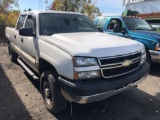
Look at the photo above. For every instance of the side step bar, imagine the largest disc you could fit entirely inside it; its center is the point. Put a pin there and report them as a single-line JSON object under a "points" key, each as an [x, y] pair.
{"points": [[27, 69]]}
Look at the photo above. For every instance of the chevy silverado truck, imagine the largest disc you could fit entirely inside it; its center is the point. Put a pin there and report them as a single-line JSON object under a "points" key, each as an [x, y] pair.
{"points": [[134, 28], [74, 61]]}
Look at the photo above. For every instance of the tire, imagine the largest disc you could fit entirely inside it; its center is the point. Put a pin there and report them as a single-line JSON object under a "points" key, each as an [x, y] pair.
{"points": [[12, 55], [51, 93]]}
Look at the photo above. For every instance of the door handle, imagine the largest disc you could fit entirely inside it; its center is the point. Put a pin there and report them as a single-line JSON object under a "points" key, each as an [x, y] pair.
{"points": [[22, 40], [15, 36]]}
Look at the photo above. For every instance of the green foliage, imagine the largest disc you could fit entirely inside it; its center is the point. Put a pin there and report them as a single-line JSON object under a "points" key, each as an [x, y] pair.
{"points": [[29, 9], [5, 5], [158, 29], [7, 19], [87, 7], [91, 10]]}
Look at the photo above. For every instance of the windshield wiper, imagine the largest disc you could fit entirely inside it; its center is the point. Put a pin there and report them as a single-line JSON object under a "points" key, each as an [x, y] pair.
{"points": [[137, 29]]}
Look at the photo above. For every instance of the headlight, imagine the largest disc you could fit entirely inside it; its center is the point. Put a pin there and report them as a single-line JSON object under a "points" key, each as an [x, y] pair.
{"points": [[84, 61], [87, 75], [143, 59], [157, 46]]}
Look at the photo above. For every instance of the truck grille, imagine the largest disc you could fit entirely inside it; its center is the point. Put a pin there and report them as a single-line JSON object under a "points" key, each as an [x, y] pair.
{"points": [[114, 66]]}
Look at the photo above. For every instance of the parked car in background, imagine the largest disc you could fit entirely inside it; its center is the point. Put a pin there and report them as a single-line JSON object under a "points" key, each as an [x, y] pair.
{"points": [[133, 28], [74, 61]]}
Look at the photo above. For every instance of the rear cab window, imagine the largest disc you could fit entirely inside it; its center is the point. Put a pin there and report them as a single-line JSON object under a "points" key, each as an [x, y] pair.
{"points": [[20, 21]]}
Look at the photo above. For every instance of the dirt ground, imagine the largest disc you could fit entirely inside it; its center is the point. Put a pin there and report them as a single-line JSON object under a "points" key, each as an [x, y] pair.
{"points": [[20, 98]]}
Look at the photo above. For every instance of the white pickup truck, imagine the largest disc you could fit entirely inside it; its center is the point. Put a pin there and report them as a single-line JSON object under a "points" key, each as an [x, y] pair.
{"points": [[74, 61]]}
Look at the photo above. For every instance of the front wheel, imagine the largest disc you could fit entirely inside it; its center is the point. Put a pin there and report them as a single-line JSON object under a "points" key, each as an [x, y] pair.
{"points": [[12, 55], [51, 93]]}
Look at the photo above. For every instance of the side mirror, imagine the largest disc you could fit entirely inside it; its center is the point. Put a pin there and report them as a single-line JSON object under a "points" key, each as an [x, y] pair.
{"points": [[26, 32], [100, 29], [124, 31], [117, 28]]}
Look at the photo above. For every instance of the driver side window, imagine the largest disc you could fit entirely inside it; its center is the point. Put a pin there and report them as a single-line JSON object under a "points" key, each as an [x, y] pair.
{"points": [[114, 22]]}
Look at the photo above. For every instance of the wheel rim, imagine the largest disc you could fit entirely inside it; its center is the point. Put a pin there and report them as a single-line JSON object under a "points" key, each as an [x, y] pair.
{"points": [[47, 93]]}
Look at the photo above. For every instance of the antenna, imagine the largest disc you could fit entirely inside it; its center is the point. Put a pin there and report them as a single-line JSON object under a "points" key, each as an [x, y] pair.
{"points": [[40, 4]]}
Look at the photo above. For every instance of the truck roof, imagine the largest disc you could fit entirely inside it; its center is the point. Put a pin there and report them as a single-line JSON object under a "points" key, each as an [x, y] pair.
{"points": [[50, 11], [109, 16], [117, 17]]}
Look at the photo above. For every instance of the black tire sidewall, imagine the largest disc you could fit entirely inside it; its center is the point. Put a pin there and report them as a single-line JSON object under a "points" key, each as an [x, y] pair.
{"points": [[46, 77], [12, 55], [55, 91]]}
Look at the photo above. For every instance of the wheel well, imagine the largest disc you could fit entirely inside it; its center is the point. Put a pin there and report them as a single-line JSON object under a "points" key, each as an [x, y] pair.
{"points": [[147, 50], [149, 56], [46, 66]]}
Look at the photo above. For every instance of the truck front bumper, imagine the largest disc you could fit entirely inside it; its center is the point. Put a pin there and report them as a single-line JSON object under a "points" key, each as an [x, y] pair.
{"points": [[91, 91], [155, 56]]}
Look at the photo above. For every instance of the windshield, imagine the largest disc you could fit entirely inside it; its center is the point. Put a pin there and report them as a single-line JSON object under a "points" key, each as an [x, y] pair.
{"points": [[137, 24], [51, 23]]}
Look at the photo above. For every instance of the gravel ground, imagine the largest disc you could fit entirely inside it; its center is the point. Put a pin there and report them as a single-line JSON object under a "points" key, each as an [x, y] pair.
{"points": [[20, 98]]}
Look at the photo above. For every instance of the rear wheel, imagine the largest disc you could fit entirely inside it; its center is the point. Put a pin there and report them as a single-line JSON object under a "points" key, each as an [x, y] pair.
{"points": [[51, 93], [12, 55]]}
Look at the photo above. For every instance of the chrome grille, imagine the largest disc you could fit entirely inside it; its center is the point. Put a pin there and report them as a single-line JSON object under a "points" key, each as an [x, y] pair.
{"points": [[113, 66]]}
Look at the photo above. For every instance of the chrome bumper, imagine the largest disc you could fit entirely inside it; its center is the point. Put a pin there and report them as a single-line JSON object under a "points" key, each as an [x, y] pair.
{"points": [[101, 96], [155, 56]]}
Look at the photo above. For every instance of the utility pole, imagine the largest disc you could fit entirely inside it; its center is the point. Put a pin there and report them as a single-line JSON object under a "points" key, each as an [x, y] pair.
{"points": [[40, 4]]}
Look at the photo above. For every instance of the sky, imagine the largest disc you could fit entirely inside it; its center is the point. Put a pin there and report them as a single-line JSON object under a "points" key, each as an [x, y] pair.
{"points": [[107, 7]]}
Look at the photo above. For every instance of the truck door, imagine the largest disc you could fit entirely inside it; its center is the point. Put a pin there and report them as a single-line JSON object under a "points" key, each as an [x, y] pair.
{"points": [[17, 40], [111, 25], [29, 44]]}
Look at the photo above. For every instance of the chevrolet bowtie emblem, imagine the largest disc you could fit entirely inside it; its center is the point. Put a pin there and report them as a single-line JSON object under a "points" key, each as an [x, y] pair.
{"points": [[127, 63]]}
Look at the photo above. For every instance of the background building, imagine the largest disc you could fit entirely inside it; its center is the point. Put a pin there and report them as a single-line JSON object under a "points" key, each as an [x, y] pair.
{"points": [[147, 6]]}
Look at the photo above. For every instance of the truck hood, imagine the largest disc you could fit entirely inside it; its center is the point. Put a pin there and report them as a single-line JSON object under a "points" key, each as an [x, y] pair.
{"points": [[151, 35], [93, 44]]}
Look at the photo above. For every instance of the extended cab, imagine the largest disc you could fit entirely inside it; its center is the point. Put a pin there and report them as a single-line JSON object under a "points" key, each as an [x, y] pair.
{"points": [[74, 61], [134, 28]]}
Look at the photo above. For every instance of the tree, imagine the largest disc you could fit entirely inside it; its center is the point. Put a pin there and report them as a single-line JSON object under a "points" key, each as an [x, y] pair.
{"points": [[91, 10], [29, 9], [84, 6], [25, 10], [78, 4], [6, 4], [8, 17], [62, 5]]}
